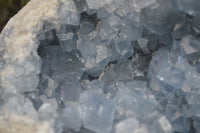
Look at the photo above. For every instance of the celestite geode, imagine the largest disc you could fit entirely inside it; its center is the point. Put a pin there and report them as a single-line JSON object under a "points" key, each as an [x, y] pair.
{"points": [[101, 66]]}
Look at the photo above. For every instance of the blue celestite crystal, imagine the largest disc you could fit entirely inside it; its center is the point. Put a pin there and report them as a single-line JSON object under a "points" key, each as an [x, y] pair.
{"points": [[101, 66]]}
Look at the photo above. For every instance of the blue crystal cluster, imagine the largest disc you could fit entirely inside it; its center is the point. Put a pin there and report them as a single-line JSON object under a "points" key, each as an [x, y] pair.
{"points": [[120, 66]]}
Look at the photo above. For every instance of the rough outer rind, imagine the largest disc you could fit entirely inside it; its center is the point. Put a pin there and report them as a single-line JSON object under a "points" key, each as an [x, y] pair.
{"points": [[18, 47]]}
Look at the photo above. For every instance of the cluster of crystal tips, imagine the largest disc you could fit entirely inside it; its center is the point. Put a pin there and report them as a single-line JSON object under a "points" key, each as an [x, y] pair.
{"points": [[118, 66]]}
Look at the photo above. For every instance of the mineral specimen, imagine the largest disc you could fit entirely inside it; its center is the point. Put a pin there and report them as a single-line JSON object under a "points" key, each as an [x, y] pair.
{"points": [[101, 66]]}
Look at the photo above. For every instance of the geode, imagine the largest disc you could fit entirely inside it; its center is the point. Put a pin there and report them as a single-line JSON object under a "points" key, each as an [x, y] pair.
{"points": [[101, 66]]}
